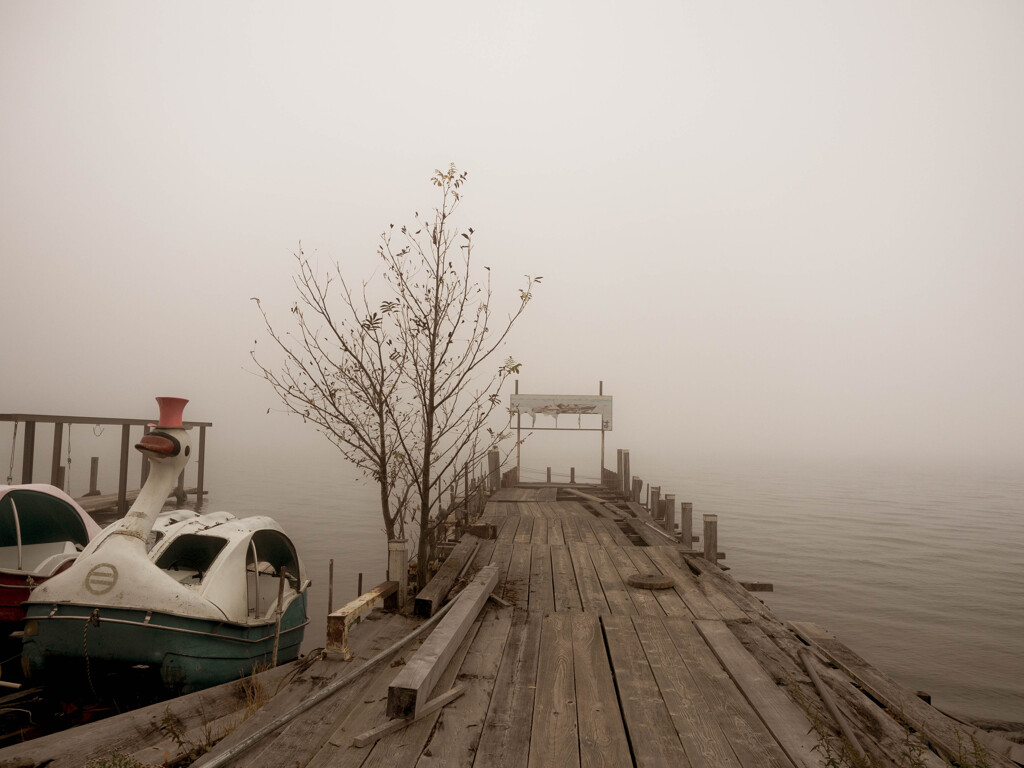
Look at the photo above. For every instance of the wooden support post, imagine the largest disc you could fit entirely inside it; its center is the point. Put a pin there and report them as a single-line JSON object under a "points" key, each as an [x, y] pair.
{"points": [[549, 474], [494, 469], [670, 513], [711, 538], [280, 612], [618, 468], [638, 486], [330, 586], [94, 476], [28, 452], [398, 568], [201, 467], [572, 475], [61, 474], [626, 478], [122, 475], [359, 584], [686, 524], [58, 437], [410, 690], [654, 505]]}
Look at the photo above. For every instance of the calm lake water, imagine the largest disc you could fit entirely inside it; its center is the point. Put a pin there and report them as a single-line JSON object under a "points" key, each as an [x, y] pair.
{"points": [[921, 572]]}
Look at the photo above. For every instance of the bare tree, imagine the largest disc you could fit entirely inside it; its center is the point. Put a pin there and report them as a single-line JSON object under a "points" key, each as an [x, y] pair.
{"points": [[448, 332], [406, 391], [342, 371]]}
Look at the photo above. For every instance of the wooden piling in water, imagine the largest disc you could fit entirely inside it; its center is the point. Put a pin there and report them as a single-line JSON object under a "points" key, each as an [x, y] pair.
{"points": [[572, 474], [670, 513], [711, 538], [654, 505], [686, 524]]}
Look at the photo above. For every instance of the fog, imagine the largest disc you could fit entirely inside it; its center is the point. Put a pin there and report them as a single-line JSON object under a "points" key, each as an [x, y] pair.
{"points": [[770, 229]]}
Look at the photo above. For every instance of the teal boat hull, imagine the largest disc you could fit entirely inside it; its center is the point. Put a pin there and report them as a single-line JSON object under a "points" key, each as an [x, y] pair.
{"points": [[190, 653]]}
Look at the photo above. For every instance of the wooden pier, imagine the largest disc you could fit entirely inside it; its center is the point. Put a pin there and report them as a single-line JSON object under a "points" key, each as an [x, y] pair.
{"points": [[572, 664]]}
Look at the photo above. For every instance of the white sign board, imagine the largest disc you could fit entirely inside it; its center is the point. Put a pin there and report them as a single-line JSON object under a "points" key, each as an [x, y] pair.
{"points": [[554, 405]]}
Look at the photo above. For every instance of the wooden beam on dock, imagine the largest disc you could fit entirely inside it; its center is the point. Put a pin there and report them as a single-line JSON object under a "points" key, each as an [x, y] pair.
{"points": [[432, 596], [408, 692], [341, 621]]}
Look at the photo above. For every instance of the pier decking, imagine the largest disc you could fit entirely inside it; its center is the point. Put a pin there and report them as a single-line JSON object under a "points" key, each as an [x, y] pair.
{"points": [[574, 666]]}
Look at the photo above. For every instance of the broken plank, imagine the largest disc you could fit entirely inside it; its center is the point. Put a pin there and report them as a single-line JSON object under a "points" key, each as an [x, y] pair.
{"points": [[686, 583], [786, 721], [376, 734], [410, 688]]}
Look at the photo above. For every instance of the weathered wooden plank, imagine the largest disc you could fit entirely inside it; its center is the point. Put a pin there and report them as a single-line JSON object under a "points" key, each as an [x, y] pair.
{"points": [[571, 530], [671, 603], [525, 531], [945, 734], [713, 574], [747, 735], [591, 593], [614, 590], [554, 741], [542, 596], [508, 531], [432, 596], [698, 729], [341, 621], [517, 583], [454, 742], [644, 600], [651, 731], [540, 530], [786, 721], [412, 686], [603, 742], [374, 735], [555, 534], [686, 584], [618, 537], [510, 714], [567, 594]]}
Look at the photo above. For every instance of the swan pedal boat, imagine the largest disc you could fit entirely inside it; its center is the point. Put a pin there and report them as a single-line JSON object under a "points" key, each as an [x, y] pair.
{"points": [[194, 596]]}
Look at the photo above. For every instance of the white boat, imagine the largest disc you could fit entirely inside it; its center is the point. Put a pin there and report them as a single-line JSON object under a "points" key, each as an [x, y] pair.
{"points": [[195, 596]]}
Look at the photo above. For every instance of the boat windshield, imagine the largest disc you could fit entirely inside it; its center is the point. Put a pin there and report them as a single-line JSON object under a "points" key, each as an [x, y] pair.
{"points": [[42, 519], [191, 552]]}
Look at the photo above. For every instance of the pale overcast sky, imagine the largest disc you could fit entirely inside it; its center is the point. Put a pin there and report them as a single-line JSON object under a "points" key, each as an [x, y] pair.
{"points": [[777, 228]]}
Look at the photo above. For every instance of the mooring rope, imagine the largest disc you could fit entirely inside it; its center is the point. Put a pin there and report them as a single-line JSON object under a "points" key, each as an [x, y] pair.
{"points": [[95, 616]]}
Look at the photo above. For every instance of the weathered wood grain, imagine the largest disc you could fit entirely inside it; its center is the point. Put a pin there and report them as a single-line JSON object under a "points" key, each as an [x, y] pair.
{"points": [[432, 596], [602, 736], [591, 593], [644, 600], [412, 686], [554, 739], [542, 596], [566, 592], [686, 584], [651, 731], [671, 603]]}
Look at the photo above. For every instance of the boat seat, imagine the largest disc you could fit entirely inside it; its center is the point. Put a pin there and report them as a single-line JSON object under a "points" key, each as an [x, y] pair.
{"points": [[35, 555]]}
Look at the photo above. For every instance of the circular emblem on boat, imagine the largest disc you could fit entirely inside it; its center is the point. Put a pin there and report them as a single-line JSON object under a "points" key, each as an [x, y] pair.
{"points": [[101, 578]]}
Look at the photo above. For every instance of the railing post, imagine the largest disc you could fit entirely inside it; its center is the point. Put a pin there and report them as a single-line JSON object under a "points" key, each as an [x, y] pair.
{"points": [[493, 466], [549, 474], [625, 479], [398, 568], [58, 437], [670, 513], [654, 506], [94, 476], [686, 524], [29, 452], [572, 475], [122, 476], [711, 538]]}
